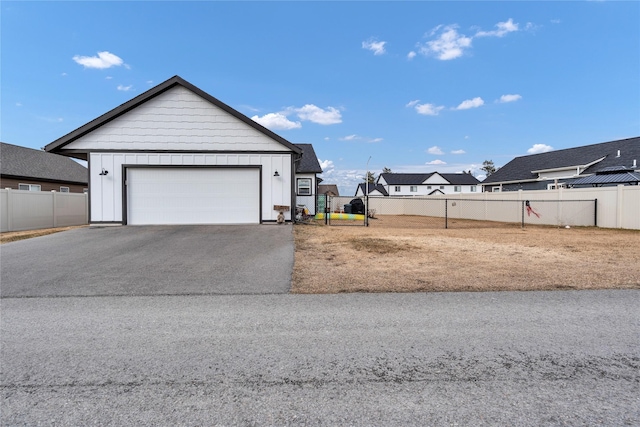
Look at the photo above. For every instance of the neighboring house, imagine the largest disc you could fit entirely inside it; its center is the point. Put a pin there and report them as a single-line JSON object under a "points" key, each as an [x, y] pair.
{"points": [[307, 180], [375, 190], [330, 190], [23, 168], [565, 168], [177, 155], [428, 184]]}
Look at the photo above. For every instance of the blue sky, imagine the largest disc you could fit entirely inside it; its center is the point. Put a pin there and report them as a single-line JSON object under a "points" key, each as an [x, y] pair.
{"points": [[414, 86]]}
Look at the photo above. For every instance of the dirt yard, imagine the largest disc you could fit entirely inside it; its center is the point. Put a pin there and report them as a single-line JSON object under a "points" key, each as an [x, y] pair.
{"points": [[398, 254], [13, 236]]}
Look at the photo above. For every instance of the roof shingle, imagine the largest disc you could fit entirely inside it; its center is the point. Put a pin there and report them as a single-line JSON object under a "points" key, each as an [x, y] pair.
{"points": [[29, 163]]}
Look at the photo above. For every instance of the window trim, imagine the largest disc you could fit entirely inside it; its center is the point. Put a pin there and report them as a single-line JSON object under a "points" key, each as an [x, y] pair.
{"points": [[398, 189], [64, 189], [457, 188], [413, 188], [299, 187]]}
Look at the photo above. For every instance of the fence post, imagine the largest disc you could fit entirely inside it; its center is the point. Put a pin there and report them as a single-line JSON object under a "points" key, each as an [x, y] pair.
{"points": [[366, 210], [522, 203], [595, 212], [55, 211], [9, 209], [446, 211]]}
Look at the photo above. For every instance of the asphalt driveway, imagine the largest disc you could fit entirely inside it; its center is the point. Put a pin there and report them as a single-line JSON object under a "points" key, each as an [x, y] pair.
{"points": [[150, 260]]}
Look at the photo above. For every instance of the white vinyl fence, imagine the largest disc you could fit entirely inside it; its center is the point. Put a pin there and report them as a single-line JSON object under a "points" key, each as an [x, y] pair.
{"points": [[30, 210]]}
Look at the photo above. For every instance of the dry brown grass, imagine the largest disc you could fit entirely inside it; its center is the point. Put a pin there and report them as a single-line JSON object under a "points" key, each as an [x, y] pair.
{"points": [[399, 254], [13, 236]]}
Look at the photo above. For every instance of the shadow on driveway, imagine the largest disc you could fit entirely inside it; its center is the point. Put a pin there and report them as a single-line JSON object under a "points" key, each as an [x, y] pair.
{"points": [[150, 260]]}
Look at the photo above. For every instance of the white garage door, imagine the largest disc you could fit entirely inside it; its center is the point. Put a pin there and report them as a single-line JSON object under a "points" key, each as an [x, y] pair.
{"points": [[193, 196]]}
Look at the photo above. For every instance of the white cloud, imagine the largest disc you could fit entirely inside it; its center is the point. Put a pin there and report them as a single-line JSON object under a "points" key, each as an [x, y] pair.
{"points": [[458, 152], [326, 138], [412, 103], [103, 60], [149, 82], [449, 44], [428, 109], [539, 148], [411, 55], [509, 98], [556, 21], [470, 103], [435, 150], [125, 88], [436, 162], [312, 113], [108, 78], [375, 140], [326, 165], [503, 29], [374, 46], [276, 121], [64, 74], [353, 137], [18, 104]]}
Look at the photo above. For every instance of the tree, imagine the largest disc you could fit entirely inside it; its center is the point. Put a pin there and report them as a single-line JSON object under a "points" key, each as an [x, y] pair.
{"points": [[386, 170], [488, 167], [371, 177]]}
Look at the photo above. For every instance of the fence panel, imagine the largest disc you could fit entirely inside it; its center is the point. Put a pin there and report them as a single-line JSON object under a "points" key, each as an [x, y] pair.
{"points": [[342, 211], [31, 210]]}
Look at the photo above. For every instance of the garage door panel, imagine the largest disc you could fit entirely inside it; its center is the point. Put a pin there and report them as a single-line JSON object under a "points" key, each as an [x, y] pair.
{"points": [[193, 196]]}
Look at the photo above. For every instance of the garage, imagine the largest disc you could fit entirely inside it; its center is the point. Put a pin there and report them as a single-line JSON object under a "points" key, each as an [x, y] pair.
{"points": [[207, 195]]}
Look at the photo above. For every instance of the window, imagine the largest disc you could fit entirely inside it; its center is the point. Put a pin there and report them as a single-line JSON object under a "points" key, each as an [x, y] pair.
{"points": [[304, 186], [495, 189], [398, 188], [555, 187], [29, 187], [457, 188], [64, 189], [473, 188], [428, 187], [442, 187], [413, 188]]}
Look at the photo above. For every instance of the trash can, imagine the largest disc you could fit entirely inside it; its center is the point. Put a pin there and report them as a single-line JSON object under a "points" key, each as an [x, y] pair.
{"points": [[347, 208]]}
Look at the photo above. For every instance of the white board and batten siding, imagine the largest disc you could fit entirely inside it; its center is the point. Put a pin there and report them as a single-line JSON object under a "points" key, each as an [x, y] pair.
{"points": [[107, 191], [178, 128]]}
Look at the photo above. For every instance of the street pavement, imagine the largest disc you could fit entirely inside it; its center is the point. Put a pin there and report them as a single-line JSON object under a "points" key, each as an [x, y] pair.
{"points": [[469, 359]]}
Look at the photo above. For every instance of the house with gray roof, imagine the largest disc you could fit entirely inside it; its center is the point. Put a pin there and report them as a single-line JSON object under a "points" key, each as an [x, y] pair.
{"points": [[307, 170], [607, 163], [23, 168], [177, 155], [428, 184]]}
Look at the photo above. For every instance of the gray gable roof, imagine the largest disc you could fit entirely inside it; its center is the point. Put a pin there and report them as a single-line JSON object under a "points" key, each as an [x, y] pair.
{"points": [[309, 161], [419, 178], [371, 188], [23, 162], [460, 178], [328, 188], [521, 168], [405, 178], [58, 145]]}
